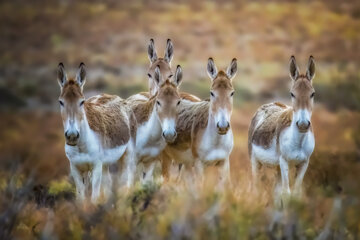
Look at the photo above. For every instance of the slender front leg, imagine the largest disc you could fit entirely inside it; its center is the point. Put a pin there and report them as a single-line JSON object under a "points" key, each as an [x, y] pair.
{"points": [[148, 172], [79, 184], [300, 173], [165, 166], [227, 172], [106, 183], [284, 167], [130, 164], [96, 182], [254, 172], [198, 172]]}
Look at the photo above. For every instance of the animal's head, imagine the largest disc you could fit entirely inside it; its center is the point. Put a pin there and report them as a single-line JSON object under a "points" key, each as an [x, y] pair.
{"points": [[167, 102], [221, 94], [302, 93], [72, 102], [164, 63]]}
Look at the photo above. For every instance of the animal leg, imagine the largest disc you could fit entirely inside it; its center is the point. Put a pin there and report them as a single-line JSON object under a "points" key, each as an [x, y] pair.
{"points": [[255, 165], [130, 164], [106, 183], [79, 184], [300, 173], [148, 172], [96, 182], [225, 174], [284, 167], [165, 166]]}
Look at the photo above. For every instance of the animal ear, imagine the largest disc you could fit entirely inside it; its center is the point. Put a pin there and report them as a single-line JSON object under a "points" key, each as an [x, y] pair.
{"points": [[294, 70], [169, 51], [310, 72], [178, 75], [157, 75], [232, 69], [81, 75], [152, 51], [211, 69], [61, 75]]}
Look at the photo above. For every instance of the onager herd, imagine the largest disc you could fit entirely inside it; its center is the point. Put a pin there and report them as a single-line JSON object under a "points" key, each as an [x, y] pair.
{"points": [[178, 129]]}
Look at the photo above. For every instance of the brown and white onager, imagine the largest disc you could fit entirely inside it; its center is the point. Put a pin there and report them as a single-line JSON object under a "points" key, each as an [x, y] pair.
{"points": [[204, 132], [156, 120], [282, 135], [100, 130], [165, 70]]}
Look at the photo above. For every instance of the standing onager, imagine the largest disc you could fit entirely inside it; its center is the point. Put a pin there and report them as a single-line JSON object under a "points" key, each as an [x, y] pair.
{"points": [[165, 70], [100, 130], [204, 133], [280, 134], [156, 120]]}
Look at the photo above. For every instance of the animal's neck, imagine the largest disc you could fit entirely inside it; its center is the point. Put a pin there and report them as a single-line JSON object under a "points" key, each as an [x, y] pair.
{"points": [[153, 122], [86, 135]]}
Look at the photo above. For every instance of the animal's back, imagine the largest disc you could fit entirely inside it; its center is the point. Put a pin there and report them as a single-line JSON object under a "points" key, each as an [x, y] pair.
{"points": [[192, 115], [111, 118], [268, 120]]}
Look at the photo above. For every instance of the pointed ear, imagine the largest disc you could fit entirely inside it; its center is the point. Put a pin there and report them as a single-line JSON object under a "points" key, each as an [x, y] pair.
{"points": [[157, 75], [211, 69], [152, 51], [169, 51], [81, 75], [178, 76], [294, 70], [232, 69], [61, 75], [310, 72]]}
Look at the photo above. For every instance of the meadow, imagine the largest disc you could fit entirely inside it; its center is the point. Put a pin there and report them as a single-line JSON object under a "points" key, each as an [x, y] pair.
{"points": [[37, 197]]}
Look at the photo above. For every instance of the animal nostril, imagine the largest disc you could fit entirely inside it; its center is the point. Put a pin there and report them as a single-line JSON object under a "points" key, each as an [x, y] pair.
{"points": [[66, 134], [309, 123], [163, 134], [77, 135], [218, 125], [228, 125]]}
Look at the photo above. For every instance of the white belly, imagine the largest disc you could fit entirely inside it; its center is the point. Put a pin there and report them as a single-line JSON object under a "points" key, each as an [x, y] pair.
{"points": [[266, 155], [101, 155]]}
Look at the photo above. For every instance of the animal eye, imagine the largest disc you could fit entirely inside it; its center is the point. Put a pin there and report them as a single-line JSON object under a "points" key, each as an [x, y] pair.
{"points": [[61, 103], [232, 94], [158, 103], [170, 76], [178, 103], [312, 95], [292, 95], [212, 94], [149, 75], [82, 103]]}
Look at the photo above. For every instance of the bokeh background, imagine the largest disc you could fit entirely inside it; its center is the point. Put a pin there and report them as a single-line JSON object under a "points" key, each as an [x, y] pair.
{"points": [[111, 38]]}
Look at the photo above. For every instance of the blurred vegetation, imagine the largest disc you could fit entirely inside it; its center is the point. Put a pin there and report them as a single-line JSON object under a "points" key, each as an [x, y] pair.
{"points": [[111, 37]]}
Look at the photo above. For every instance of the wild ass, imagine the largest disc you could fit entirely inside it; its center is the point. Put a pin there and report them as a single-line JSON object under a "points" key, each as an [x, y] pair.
{"points": [[282, 135], [156, 120], [204, 132], [100, 130], [165, 70]]}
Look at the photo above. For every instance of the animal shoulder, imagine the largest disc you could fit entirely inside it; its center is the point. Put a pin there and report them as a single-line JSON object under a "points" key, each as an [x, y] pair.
{"points": [[142, 109], [108, 115], [268, 121]]}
